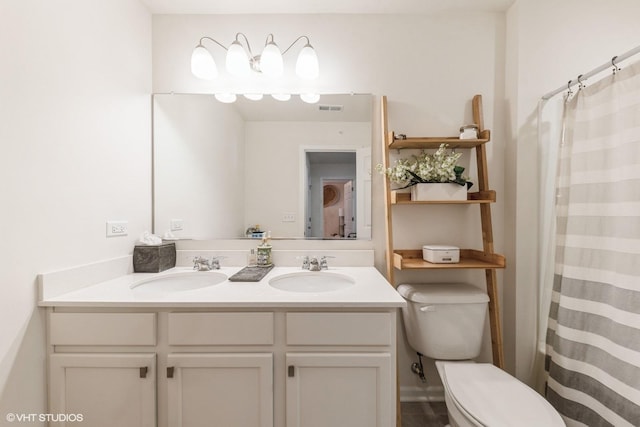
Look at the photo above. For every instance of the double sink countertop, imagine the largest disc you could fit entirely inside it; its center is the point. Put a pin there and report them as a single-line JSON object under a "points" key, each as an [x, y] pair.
{"points": [[367, 288]]}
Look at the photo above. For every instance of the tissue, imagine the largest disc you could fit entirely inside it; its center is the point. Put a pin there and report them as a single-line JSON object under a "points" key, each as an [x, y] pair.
{"points": [[149, 239]]}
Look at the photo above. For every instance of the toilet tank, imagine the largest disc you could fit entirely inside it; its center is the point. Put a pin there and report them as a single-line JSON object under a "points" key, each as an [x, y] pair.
{"points": [[444, 321]]}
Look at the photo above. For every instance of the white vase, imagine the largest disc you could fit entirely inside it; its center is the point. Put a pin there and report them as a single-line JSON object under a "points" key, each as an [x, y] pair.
{"points": [[438, 191]]}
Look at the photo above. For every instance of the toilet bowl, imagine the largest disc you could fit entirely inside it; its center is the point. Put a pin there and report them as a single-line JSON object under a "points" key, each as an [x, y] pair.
{"points": [[445, 322]]}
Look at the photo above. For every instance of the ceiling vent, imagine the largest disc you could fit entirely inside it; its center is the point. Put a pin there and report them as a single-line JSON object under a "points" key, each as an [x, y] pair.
{"points": [[330, 107]]}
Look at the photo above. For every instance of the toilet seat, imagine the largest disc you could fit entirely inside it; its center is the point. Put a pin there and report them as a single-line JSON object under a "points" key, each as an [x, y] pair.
{"points": [[488, 396]]}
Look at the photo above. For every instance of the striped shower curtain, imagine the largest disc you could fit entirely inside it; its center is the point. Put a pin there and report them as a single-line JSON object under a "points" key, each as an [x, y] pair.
{"points": [[593, 334]]}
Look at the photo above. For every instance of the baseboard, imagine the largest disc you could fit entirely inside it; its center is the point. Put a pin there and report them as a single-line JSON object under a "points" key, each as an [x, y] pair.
{"points": [[421, 394]]}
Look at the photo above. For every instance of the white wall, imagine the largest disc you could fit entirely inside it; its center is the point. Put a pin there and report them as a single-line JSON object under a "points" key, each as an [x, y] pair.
{"points": [[429, 67], [199, 149], [75, 79], [549, 43]]}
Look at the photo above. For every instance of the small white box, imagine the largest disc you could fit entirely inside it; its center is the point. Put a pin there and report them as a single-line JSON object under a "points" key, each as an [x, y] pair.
{"points": [[441, 254]]}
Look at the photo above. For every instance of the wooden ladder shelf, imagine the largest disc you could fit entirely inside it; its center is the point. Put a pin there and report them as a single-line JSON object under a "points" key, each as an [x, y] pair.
{"points": [[403, 259]]}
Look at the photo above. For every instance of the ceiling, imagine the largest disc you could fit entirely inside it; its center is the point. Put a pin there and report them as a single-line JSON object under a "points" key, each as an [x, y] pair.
{"points": [[323, 6]]}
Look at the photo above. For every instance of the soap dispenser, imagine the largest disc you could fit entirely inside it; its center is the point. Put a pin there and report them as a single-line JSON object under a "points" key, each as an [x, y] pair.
{"points": [[264, 251], [252, 259]]}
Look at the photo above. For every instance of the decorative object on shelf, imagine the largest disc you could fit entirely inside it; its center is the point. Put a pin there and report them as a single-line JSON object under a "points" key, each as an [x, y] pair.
{"points": [[427, 168], [469, 132], [255, 232], [441, 254], [438, 191]]}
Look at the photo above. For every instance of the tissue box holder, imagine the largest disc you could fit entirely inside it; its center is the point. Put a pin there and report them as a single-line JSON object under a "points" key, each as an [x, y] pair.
{"points": [[440, 254], [154, 259]]}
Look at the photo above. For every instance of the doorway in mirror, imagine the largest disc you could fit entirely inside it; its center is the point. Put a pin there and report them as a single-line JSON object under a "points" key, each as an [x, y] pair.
{"points": [[335, 185]]}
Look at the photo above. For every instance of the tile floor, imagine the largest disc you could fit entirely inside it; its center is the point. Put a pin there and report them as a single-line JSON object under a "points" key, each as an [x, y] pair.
{"points": [[424, 414]]}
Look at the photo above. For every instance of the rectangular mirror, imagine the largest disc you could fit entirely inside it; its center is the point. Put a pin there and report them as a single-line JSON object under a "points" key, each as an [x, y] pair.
{"points": [[226, 171]]}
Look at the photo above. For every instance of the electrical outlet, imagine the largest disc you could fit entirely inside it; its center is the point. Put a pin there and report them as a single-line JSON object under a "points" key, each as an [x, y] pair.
{"points": [[117, 228], [289, 217], [176, 225]]}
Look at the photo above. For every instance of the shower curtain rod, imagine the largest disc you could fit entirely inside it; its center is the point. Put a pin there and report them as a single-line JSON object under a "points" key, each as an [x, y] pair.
{"points": [[582, 77]]}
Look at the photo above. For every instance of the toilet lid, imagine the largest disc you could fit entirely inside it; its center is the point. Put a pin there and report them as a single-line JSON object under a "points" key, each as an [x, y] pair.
{"points": [[496, 399]]}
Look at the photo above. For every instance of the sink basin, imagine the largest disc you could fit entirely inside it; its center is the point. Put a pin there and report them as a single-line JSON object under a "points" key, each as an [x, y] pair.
{"points": [[312, 281], [176, 282]]}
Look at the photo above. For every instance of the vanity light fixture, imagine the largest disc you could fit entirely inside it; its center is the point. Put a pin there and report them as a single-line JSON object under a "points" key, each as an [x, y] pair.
{"points": [[253, 96], [310, 98], [281, 96], [226, 98], [240, 60]]}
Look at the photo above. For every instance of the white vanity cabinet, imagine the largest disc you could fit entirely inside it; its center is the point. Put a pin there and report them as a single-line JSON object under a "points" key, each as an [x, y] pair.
{"points": [[334, 389], [103, 388], [211, 375], [244, 367], [343, 369], [234, 389]]}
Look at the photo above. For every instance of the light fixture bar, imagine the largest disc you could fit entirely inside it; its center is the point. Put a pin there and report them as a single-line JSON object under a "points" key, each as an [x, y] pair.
{"points": [[240, 60]]}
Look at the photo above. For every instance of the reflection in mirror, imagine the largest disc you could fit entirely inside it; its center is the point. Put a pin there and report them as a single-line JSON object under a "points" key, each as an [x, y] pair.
{"points": [[221, 170]]}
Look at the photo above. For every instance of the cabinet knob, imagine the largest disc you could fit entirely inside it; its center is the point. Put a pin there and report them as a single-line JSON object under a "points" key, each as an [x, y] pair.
{"points": [[170, 370], [291, 371], [143, 372]]}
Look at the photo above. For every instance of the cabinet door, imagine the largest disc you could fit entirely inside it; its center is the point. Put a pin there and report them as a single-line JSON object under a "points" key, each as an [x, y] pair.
{"points": [[105, 389], [226, 390], [340, 389]]}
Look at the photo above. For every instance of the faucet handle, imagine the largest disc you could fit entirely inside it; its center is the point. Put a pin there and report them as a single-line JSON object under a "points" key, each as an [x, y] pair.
{"points": [[215, 262], [200, 263], [305, 261], [323, 262]]}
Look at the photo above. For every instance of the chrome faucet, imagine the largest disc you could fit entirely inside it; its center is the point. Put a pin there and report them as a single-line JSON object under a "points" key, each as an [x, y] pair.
{"points": [[204, 264], [314, 265]]}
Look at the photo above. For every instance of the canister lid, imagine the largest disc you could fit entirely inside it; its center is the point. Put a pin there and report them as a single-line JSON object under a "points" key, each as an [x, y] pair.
{"points": [[443, 293], [440, 248]]}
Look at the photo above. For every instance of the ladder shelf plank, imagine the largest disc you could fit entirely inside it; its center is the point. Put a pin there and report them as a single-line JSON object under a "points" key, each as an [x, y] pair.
{"points": [[407, 259], [489, 196], [435, 142]]}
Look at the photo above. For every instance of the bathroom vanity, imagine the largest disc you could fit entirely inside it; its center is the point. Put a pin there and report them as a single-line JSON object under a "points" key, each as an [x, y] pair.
{"points": [[238, 353]]}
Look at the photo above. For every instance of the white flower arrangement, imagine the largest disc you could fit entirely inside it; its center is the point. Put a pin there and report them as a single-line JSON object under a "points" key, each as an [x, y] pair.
{"points": [[438, 167]]}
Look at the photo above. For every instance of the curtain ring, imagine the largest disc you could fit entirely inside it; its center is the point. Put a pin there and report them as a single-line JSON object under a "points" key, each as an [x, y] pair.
{"points": [[580, 84], [613, 64], [569, 92]]}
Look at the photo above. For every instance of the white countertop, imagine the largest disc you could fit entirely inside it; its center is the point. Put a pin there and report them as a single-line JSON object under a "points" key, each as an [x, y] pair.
{"points": [[370, 290]]}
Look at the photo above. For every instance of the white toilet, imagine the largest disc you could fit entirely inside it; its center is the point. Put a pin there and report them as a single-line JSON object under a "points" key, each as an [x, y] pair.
{"points": [[445, 322]]}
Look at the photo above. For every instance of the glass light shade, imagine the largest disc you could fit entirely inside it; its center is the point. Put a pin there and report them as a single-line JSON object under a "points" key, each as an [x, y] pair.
{"points": [[202, 64], [271, 61], [307, 63], [253, 96], [310, 98], [281, 96], [237, 60], [226, 98]]}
